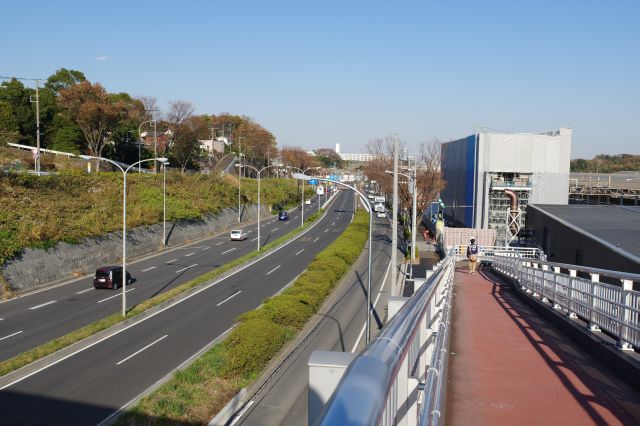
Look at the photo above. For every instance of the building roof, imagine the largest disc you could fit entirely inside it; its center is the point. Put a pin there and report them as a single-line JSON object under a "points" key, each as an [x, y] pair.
{"points": [[618, 226]]}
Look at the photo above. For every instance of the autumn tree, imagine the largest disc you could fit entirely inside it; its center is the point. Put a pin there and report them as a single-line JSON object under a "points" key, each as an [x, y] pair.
{"points": [[93, 111], [297, 157]]}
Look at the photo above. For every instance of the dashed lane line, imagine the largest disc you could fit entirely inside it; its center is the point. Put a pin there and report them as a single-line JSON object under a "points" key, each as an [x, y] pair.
{"points": [[220, 243], [11, 335], [149, 268], [273, 269], [228, 251], [315, 239], [140, 350], [230, 297], [300, 251], [184, 269], [170, 261], [43, 304], [85, 290], [116, 295], [190, 254]]}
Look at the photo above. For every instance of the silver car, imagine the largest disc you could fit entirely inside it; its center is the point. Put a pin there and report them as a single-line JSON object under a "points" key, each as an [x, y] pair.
{"points": [[238, 235]]}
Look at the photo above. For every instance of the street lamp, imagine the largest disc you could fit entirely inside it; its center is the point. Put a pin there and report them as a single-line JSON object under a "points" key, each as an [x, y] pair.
{"points": [[258, 172], [124, 219], [164, 203], [365, 201], [412, 181], [304, 172]]}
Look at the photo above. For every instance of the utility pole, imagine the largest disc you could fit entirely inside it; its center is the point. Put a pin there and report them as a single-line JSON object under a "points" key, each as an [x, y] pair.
{"points": [[394, 225], [155, 144]]}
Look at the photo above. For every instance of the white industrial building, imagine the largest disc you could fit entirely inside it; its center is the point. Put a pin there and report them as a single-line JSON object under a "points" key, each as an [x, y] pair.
{"points": [[492, 176], [362, 157]]}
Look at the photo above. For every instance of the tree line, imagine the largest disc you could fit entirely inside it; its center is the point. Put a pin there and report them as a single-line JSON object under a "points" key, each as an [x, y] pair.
{"points": [[607, 164], [79, 116]]}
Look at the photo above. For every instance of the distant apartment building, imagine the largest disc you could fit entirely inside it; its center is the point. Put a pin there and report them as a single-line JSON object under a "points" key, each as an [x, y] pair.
{"points": [[361, 157]]}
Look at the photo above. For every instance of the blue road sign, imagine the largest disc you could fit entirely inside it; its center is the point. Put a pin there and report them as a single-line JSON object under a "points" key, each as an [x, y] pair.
{"points": [[313, 181]]}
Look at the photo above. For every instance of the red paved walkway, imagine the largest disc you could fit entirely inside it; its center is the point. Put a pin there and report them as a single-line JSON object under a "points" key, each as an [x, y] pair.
{"points": [[510, 367]]}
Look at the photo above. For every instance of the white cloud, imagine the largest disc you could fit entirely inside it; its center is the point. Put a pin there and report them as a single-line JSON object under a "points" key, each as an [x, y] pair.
{"points": [[102, 58]]}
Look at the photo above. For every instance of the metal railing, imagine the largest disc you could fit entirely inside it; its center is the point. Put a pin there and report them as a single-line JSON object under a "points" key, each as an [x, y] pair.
{"points": [[401, 376], [614, 308], [488, 253]]}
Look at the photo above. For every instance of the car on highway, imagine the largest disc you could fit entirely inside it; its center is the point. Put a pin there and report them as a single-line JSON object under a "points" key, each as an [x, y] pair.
{"points": [[381, 214], [238, 235], [283, 215], [109, 277], [307, 202]]}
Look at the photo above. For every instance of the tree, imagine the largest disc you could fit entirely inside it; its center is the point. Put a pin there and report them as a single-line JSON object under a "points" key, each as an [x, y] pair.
{"points": [[9, 128], [297, 157], [23, 112], [92, 110], [64, 78], [328, 157], [185, 148]]}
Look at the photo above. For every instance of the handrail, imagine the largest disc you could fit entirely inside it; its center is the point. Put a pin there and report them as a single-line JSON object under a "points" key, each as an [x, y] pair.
{"points": [[612, 308], [490, 251], [370, 383]]}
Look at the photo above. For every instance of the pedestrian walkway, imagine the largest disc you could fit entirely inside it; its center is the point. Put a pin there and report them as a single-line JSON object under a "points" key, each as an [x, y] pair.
{"points": [[508, 366]]}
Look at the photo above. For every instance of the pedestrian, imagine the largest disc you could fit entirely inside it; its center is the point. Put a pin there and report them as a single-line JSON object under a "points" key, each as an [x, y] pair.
{"points": [[472, 255]]}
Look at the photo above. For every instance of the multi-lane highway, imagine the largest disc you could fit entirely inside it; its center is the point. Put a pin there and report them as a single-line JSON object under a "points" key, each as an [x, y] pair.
{"points": [[92, 384], [36, 318]]}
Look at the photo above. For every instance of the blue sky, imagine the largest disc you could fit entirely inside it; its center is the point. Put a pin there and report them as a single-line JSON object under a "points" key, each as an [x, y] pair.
{"points": [[317, 73]]}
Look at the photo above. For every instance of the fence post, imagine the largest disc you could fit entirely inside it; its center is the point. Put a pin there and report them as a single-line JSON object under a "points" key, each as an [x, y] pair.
{"points": [[573, 273], [626, 317], [593, 301]]}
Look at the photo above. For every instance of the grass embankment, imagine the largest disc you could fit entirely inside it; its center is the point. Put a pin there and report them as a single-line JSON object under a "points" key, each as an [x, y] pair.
{"points": [[195, 394], [75, 336], [41, 211]]}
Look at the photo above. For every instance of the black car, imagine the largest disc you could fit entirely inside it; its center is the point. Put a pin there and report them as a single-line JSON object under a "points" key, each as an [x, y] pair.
{"points": [[283, 215], [109, 277]]}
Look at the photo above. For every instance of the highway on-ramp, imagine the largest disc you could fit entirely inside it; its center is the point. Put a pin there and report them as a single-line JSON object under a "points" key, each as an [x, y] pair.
{"points": [[36, 318], [91, 385]]}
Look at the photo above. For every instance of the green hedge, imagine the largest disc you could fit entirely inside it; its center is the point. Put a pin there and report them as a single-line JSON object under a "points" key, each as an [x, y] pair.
{"points": [[257, 339]]}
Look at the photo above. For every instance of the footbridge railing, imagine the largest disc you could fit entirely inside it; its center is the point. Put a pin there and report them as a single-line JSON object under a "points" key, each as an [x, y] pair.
{"points": [[400, 377], [604, 299]]}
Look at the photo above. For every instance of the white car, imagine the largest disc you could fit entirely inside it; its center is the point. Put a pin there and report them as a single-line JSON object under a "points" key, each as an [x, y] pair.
{"points": [[238, 235], [381, 214], [307, 201]]}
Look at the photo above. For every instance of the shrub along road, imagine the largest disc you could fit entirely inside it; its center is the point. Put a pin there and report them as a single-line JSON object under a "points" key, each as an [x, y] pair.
{"points": [[34, 319], [90, 385]]}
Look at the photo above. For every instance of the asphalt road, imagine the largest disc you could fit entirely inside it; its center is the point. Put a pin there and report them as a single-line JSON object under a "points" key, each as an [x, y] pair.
{"points": [[36, 318], [284, 398], [91, 385]]}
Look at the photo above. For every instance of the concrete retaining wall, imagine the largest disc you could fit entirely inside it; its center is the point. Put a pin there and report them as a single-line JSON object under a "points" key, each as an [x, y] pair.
{"points": [[35, 268]]}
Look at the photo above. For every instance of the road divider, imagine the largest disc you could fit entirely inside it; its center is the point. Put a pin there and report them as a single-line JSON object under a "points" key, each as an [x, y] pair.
{"points": [[258, 337]]}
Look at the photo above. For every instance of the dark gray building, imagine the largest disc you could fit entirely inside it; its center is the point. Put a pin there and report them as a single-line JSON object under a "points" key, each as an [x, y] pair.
{"points": [[605, 237]]}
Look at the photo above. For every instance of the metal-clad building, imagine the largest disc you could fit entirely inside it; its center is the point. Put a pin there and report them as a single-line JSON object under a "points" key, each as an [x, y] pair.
{"points": [[605, 236], [491, 177]]}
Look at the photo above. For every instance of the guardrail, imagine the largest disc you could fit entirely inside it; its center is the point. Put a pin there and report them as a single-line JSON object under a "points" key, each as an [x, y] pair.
{"points": [[487, 253], [400, 377], [614, 308]]}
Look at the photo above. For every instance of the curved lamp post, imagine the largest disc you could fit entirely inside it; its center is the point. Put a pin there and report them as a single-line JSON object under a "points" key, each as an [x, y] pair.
{"points": [[124, 218], [258, 172], [304, 172], [365, 201]]}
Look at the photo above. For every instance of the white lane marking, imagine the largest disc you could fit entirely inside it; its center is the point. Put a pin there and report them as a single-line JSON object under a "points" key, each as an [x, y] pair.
{"points": [[316, 239], [255, 239], [188, 267], [43, 304], [149, 268], [230, 297], [205, 248], [364, 326], [205, 287], [1, 319], [326, 230], [241, 413], [333, 223], [220, 243], [190, 254], [230, 250], [140, 350], [274, 229], [171, 261], [116, 295], [84, 291], [273, 269], [11, 335], [299, 252]]}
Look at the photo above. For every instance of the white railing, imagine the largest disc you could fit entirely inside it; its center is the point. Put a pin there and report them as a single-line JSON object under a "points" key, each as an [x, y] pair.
{"points": [[488, 253], [401, 376], [580, 293]]}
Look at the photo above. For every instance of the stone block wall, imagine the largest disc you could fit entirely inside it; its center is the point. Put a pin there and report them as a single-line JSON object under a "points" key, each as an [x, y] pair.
{"points": [[35, 268]]}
